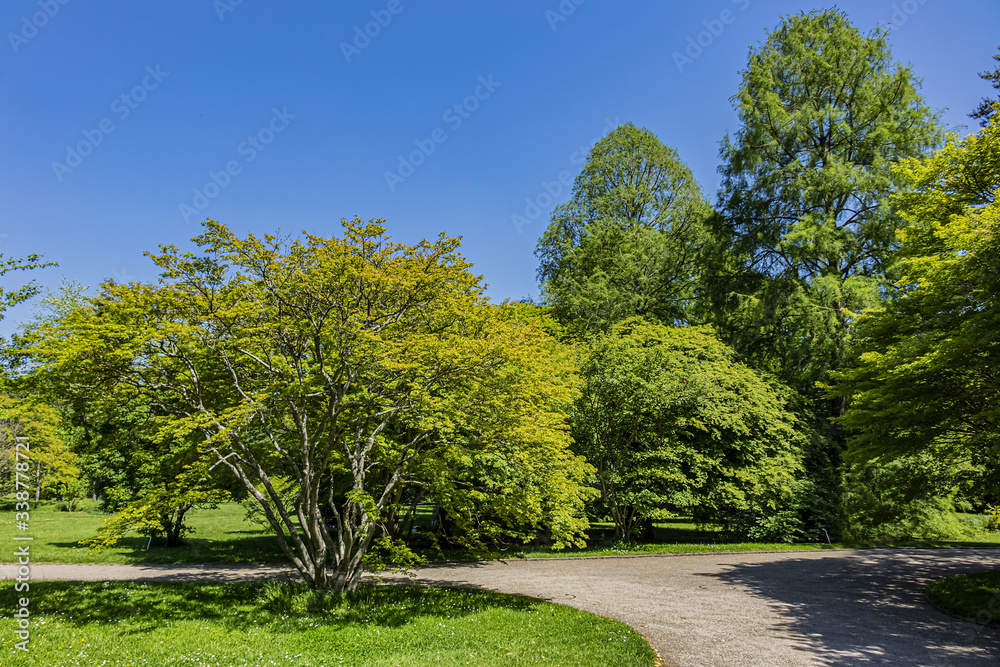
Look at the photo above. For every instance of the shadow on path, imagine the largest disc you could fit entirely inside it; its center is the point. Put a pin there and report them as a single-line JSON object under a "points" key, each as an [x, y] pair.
{"points": [[868, 607]]}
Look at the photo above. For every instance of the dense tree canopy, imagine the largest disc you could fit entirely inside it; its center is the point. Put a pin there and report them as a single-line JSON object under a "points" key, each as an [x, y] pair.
{"points": [[806, 229], [626, 244], [928, 373], [672, 421], [365, 370]]}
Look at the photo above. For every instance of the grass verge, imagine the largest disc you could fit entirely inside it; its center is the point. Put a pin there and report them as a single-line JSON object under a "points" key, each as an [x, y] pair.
{"points": [[286, 624], [973, 596], [220, 535]]}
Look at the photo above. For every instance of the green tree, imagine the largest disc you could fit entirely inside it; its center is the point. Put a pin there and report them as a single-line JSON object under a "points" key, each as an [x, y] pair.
{"points": [[927, 376], [626, 242], [9, 298], [360, 367], [986, 107], [670, 420], [55, 470], [824, 114], [805, 230]]}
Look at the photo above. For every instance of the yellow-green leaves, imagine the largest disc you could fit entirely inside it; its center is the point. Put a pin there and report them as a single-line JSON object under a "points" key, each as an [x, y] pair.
{"points": [[362, 369], [929, 359]]}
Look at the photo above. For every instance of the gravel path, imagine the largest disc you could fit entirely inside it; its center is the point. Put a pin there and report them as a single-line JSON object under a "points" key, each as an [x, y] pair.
{"points": [[792, 608]]}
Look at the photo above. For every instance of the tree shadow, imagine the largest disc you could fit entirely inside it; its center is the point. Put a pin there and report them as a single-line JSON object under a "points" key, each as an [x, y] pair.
{"points": [[139, 607], [868, 607], [252, 549]]}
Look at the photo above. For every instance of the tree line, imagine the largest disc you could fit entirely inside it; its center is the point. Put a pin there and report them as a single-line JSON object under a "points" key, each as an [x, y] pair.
{"points": [[812, 356]]}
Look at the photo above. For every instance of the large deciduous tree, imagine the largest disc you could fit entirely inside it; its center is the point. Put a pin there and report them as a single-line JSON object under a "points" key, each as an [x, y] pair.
{"points": [[671, 421], [626, 244], [806, 228], [367, 371], [927, 377]]}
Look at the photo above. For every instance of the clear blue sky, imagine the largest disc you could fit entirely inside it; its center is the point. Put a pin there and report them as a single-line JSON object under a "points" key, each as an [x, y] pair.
{"points": [[154, 97]]}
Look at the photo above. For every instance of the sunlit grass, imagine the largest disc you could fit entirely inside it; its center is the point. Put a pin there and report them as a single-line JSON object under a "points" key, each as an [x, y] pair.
{"points": [[974, 596], [221, 535], [285, 624]]}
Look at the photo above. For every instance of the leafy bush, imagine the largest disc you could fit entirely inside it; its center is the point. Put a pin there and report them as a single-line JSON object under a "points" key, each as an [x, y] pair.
{"points": [[993, 512], [897, 501]]}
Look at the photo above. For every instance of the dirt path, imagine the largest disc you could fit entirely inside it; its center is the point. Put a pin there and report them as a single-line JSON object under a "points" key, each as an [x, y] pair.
{"points": [[800, 608]]}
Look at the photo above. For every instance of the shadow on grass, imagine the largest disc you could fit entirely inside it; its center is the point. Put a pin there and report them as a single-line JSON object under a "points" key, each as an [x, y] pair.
{"points": [[253, 549], [283, 607], [868, 607]]}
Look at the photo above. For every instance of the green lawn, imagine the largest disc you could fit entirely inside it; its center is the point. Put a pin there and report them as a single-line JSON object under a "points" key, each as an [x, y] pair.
{"points": [[133, 624], [220, 536], [223, 536], [975, 596]]}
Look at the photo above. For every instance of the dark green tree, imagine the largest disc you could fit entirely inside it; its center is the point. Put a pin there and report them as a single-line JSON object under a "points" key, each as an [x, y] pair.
{"points": [[824, 114], [985, 108], [626, 243], [673, 422], [805, 230], [926, 382]]}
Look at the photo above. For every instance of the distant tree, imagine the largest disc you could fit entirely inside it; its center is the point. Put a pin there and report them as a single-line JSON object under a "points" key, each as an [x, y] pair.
{"points": [[986, 107], [671, 420], [363, 369], [626, 244], [54, 467]]}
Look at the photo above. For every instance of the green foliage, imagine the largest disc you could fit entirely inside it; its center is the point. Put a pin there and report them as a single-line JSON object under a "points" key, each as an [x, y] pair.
{"points": [[368, 371], [626, 243], [987, 107], [806, 230], [925, 381], [10, 298], [161, 510], [670, 419], [287, 490], [901, 500], [994, 517], [54, 467]]}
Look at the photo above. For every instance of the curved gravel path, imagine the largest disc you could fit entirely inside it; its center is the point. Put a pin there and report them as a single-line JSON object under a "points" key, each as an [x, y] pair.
{"points": [[793, 608]]}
